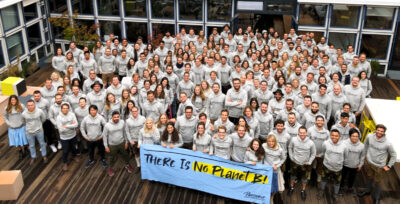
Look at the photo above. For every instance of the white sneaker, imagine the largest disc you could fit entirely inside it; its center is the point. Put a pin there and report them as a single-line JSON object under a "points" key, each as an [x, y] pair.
{"points": [[53, 148], [59, 145]]}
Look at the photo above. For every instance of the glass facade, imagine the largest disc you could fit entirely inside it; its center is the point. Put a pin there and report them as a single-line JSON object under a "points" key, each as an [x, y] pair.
{"points": [[190, 9], [396, 55], [30, 12], [375, 46], [1, 56], [9, 15], [15, 46], [379, 18], [108, 8], [313, 15], [134, 30], [34, 35], [159, 30], [82, 7], [58, 6], [342, 40], [345, 16], [162, 9], [135, 8], [108, 27], [219, 10]]}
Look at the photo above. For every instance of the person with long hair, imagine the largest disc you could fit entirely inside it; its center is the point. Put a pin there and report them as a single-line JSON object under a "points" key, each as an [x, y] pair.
{"points": [[125, 97], [199, 100], [149, 133], [275, 156], [67, 86], [127, 109], [58, 61], [248, 114], [170, 137], [134, 95], [12, 115], [134, 123], [111, 105], [255, 154], [161, 97], [70, 60], [56, 80], [162, 123], [201, 139], [130, 67], [243, 122]]}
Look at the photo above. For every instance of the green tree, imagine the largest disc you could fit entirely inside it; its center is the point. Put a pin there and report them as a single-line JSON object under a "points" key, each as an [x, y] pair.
{"points": [[72, 30]]}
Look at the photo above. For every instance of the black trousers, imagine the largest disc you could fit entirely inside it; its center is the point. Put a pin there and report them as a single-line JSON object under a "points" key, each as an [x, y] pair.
{"points": [[348, 174], [49, 134], [92, 146], [68, 146]]}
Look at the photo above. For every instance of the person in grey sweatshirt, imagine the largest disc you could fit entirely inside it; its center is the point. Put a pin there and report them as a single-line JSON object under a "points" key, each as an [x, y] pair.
{"points": [[152, 108], [66, 125], [318, 134], [90, 128], [48, 91], [235, 101], [115, 142], [170, 137], [275, 156], [334, 152], [97, 96], [265, 121], [87, 84], [121, 63], [148, 134], [185, 86], [378, 150], [292, 126], [221, 145], [324, 101], [255, 154], [338, 99], [343, 126], [282, 137], [106, 66], [86, 64], [240, 141], [354, 160], [186, 126], [302, 153], [223, 120], [215, 102], [58, 61], [54, 111], [134, 123], [308, 119], [33, 118], [74, 98], [356, 96], [201, 139]]}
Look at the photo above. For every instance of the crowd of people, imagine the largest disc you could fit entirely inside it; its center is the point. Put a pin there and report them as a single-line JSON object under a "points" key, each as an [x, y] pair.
{"points": [[250, 97]]}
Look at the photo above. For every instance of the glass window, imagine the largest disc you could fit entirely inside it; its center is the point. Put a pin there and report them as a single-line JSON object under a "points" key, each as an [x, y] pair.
{"points": [[311, 14], [1, 56], [15, 46], [57, 32], [281, 7], [135, 8], [196, 28], [396, 55], [41, 52], [342, 40], [190, 9], [30, 12], [317, 35], [108, 8], [82, 7], [162, 8], [379, 17], [375, 46], [219, 10], [34, 37], [345, 16], [10, 18], [159, 30], [134, 30], [88, 23], [108, 27], [58, 6], [210, 29]]}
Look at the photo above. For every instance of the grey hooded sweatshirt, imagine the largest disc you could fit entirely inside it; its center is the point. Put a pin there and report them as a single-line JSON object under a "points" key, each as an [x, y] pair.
{"points": [[231, 102], [149, 138], [202, 143], [221, 147], [334, 155], [265, 122], [356, 97], [69, 131], [179, 143], [91, 127], [356, 154], [274, 156], [318, 137], [186, 127], [106, 64], [215, 104], [302, 151], [240, 145], [114, 133], [133, 126], [33, 121], [378, 150], [250, 157]]}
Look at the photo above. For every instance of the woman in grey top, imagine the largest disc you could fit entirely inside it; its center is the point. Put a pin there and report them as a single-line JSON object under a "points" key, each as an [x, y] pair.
{"points": [[171, 138], [275, 156], [58, 61], [201, 139], [12, 115], [256, 153], [365, 83], [148, 134], [221, 146], [111, 105]]}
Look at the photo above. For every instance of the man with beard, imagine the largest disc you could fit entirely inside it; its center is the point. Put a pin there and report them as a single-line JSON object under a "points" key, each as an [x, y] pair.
{"points": [[216, 102], [277, 103], [308, 119], [235, 101], [283, 114]]}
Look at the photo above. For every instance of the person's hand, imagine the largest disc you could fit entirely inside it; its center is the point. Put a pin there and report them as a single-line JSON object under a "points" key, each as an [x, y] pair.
{"points": [[212, 128], [357, 113], [164, 145], [240, 102], [210, 153], [64, 126], [126, 145], [215, 135], [138, 146], [316, 156], [89, 140], [194, 149], [358, 168], [133, 143], [73, 122], [352, 125], [108, 150], [99, 138], [386, 168], [204, 151], [229, 100], [275, 167], [307, 163], [253, 163], [171, 146]]}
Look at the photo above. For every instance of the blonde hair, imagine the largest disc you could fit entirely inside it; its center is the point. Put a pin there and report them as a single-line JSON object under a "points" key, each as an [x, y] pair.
{"points": [[273, 138], [153, 128], [52, 76]]}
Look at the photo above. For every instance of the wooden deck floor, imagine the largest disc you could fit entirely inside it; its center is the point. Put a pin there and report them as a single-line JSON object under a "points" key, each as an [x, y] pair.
{"points": [[49, 184]]}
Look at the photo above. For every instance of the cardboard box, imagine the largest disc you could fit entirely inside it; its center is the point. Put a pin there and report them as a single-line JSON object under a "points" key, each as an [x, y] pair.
{"points": [[11, 184]]}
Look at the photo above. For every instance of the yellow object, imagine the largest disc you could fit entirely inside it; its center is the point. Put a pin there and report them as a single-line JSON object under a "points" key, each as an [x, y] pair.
{"points": [[366, 127], [13, 86], [398, 98]]}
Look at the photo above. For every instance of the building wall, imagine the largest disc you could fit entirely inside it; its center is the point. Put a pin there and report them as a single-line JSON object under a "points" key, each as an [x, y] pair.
{"points": [[24, 32]]}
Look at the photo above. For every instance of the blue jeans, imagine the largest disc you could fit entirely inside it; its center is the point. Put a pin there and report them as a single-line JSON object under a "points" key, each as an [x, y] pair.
{"points": [[40, 139]]}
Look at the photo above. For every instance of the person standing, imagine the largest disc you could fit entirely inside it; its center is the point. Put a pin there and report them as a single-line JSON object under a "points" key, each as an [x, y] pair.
{"points": [[12, 115], [33, 120], [66, 125], [115, 142], [186, 126], [201, 139], [221, 145], [334, 153], [171, 138], [106, 66], [378, 150], [318, 134], [302, 153], [240, 141], [134, 123], [235, 101], [90, 129]]}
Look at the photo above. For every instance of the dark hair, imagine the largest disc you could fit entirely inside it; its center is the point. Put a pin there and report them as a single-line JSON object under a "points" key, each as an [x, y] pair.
{"points": [[260, 151], [319, 116], [303, 128], [197, 127], [93, 107], [335, 130], [115, 113], [29, 101], [175, 134], [126, 110], [354, 130], [344, 115], [279, 121], [381, 126], [254, 100]]}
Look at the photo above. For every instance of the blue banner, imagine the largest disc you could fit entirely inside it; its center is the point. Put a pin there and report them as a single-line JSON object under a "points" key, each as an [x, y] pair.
{"points": [[211, 174]]}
